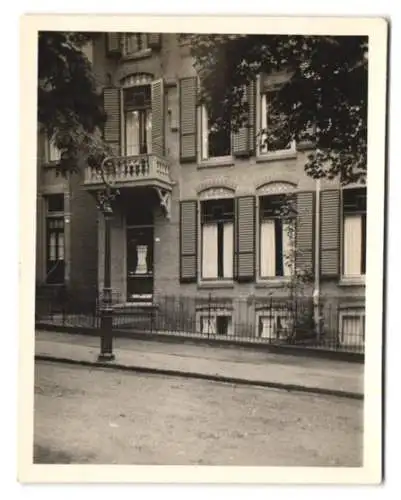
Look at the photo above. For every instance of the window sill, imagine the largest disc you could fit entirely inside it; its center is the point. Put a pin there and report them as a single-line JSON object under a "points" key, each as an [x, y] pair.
{"points": [[223, 161], [357, 281], [142, 54], [51, 164], [215, 284], [276, 155], [272, 283]]}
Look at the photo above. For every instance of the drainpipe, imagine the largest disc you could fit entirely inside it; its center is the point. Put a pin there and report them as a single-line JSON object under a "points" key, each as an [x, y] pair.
{"points": [[316, 291]]}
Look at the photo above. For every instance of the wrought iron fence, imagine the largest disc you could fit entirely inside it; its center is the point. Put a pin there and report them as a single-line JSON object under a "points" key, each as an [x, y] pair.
{"points": [[256, 320]]}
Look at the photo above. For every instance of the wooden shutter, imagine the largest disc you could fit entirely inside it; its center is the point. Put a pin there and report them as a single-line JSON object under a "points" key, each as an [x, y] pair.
{"points": [[245, 238], [113, 43], [158, 117], [305, 231], [330, 233], [252, 116], [154, 40], [188, 241], [112, 127], [188, 95], [245, 137]]}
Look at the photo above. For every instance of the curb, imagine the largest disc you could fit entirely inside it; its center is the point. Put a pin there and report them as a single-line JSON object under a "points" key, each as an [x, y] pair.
{"points": [[288, 350], [203, 376]]}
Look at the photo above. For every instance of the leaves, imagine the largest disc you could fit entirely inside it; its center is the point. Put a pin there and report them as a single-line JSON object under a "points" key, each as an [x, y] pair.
{"points": [[324, 99], [70, 109]]}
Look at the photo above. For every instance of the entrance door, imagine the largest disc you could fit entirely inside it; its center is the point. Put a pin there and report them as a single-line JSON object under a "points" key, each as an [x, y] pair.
{"points": [[140, 264]]}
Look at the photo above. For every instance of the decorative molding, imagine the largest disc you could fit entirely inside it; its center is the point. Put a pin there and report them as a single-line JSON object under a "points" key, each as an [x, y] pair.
{"points": [[218, 187], [136, 79], [165, 201], [271, 187], [216, 193]]}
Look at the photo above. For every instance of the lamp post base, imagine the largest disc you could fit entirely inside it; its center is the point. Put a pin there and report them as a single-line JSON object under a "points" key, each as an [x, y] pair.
{"points": [[107, 356]]}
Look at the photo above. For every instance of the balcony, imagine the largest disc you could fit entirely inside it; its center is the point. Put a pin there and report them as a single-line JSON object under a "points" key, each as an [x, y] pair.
{"points": [[132, 171]]}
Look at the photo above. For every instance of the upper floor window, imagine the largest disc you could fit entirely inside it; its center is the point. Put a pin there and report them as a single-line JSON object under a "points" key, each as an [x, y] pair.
{"points": [[354, 232], [274, 135], [276, 242], [217, 229], [134, 42], [55, 239], [216, 139], [138, 120], [52, 153]]}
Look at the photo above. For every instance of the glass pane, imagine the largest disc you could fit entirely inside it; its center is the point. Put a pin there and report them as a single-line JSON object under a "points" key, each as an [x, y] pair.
{"points": [[55, 203], [52, 247], [61, 246]]}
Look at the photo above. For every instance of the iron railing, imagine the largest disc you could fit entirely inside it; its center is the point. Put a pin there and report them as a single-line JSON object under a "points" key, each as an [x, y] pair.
{"points": [[254, 320]]}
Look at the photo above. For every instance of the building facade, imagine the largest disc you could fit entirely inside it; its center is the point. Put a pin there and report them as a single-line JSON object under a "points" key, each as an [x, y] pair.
{"points": [[198, 210]]}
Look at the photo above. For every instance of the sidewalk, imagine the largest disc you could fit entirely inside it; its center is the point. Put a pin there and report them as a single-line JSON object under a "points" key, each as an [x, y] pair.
{"points": [[224, 364]]}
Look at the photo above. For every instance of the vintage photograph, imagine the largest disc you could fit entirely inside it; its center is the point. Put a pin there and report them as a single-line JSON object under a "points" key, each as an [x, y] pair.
{"points": [[201, 248]]}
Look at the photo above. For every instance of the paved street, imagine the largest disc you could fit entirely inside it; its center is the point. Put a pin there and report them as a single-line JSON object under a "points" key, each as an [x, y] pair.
{"points": [[101, 416]]}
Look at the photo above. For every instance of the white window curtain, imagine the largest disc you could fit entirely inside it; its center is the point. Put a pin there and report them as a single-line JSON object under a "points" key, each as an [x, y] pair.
{"points": [[288, 264], [204, 134], [52, 247], [267, 249], [352, 245], [228, 249], [149, 131], [61, 246], [351, 330], [209, 251], [132, 132], [263, 124], [208, 324], [54, 152]]}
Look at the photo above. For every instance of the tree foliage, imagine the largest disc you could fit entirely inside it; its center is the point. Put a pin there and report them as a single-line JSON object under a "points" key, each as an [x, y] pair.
{"points": [[323, 101], [70, 108]]}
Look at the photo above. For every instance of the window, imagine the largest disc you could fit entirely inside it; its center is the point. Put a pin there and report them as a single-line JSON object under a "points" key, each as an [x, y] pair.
{"points": [[216, 140], [352, 327], [273, 324], [275, 135], [55, 239], [52, 153], [354, 231], [134, 42], [217, 221], [275, 237], [215, 323], [138, 120]]}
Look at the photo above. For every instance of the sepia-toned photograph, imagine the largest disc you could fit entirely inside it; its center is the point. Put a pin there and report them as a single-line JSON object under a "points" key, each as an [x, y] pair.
{"points": [[201, 264]]}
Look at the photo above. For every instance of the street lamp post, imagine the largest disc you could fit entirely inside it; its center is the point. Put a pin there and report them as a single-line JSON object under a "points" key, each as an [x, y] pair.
{"points": [[104, 200]]}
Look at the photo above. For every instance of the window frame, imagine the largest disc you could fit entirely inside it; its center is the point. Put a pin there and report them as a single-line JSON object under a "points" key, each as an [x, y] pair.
{"points": [[201, 223], [51, 216], [142, 51], [214, 314], [146, 108], [259, 219], [344, 278], [354, 311], [203, 137], [50, 147]]}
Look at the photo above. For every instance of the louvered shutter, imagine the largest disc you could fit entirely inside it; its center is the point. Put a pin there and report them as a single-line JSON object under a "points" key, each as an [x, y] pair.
{"points": [[188, 241], [244, 138], [154, 40], [188, 95], [252, 115], [112, 127], [113, 43], [158, 117], [305, 231], [245, 238], [330, 233]]}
